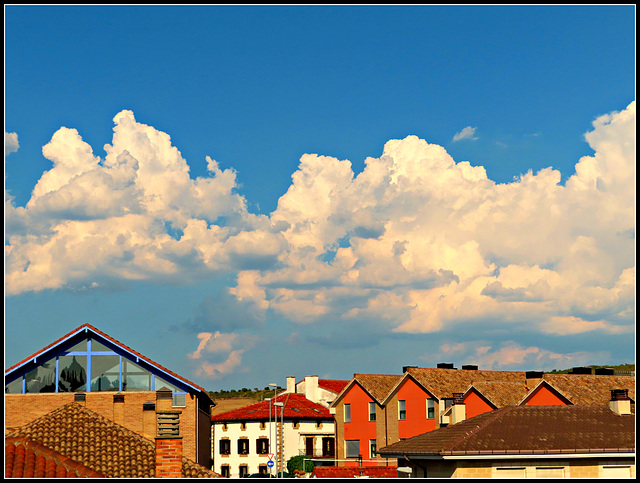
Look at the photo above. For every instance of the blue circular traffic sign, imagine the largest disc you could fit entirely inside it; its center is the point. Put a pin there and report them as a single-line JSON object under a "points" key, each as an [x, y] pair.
{"points": [[270, 464]]}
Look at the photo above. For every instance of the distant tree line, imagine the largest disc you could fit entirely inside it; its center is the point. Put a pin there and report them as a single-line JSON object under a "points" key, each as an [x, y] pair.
{"points": [[255, 393]]}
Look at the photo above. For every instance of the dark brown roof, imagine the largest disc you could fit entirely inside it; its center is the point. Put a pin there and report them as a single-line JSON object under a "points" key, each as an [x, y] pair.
{"points": [[527, 430], [99, 444], [24, 458]]}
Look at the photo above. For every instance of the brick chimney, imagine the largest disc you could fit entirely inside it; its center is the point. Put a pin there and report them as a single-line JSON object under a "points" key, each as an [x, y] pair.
{"points": [[80, 398], [149, 419], [168, 439], [458, 409], [118, 408], [620, 402]]}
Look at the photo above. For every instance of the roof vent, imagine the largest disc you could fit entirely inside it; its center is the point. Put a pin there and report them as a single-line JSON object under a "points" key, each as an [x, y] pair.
{"points": [[445, 365], [79, 397], [470, 367], [580, 370]]}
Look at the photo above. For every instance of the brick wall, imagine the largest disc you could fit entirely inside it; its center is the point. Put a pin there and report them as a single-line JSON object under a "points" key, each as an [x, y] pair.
{"points": [[169, 457], [21, 409]]}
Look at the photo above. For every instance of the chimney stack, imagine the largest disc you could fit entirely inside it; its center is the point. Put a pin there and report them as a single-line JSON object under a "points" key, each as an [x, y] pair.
{"points": [[168, 438], [445, 365], [118, 408], [80, 397], [620, 402], [291, 384], [458, 409], [149, 419], [311, 388]]}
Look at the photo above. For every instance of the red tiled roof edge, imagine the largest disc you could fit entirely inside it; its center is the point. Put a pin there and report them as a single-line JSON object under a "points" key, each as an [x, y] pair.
{"points": [[297, 400], [65, 461], [117, 342]]}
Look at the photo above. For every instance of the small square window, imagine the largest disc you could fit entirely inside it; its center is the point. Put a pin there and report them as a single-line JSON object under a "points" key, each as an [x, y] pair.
{"points": [[179, 400]]}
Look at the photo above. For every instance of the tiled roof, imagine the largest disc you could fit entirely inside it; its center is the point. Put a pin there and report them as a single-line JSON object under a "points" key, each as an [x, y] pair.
{"points": [[588, 389], [442, 383], [120, 344], [377, 385], [333, 385], [24, 458], [296, 406], [527, 430], [352, 472], [99, 444], [502, 394]]}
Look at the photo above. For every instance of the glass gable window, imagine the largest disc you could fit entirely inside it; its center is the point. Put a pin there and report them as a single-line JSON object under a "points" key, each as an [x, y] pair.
{"points": [[42, 378], [105, 373], [72, 372], [134, 377], [89, 365]]}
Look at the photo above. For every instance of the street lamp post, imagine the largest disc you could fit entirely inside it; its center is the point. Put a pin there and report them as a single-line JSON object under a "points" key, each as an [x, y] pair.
{"points": [[275, 388], [280, 405]]}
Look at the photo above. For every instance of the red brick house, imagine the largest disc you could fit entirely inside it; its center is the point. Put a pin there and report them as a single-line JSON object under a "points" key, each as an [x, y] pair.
{"points": [[111, 379]]}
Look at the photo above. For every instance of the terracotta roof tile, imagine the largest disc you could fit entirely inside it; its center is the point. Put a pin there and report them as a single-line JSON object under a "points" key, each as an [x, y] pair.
{"points": [[333, 385], [352, 472], [296, 406], [24, 458], [527, 430], [99, 444]]}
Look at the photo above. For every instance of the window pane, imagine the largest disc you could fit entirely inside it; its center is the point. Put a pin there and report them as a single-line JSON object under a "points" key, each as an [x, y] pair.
{"points": [[73, 373], [179, 400], [347, 413], [14, 387], [42, 378], [160, 383], [99, 346], [105, 373], [79, 347], [134, 377], [402, 409], [352, 448]]}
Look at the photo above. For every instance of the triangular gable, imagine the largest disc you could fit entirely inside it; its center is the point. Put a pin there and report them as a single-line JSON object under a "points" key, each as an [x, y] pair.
{"points": [[401, 382], [483, 397], [86, 331], [363, 386], [542, 386]]}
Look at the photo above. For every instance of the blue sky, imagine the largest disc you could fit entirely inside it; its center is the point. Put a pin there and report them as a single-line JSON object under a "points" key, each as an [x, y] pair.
{"points": [[196, 177]]}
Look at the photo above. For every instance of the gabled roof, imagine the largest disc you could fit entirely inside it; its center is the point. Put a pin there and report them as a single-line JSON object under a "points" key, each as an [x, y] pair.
{"points": [[353, 472], [377, 386], [99, 444], [526, 430], [24, 458], [500, 394], [443, 383], [590, 389], [296, 406], [333, 385], [89, 329]]}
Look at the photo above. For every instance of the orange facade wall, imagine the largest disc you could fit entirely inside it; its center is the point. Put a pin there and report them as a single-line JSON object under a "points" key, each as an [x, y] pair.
{"points": [[360, 427], [416, 421], [544, 396], [476, 405]]}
